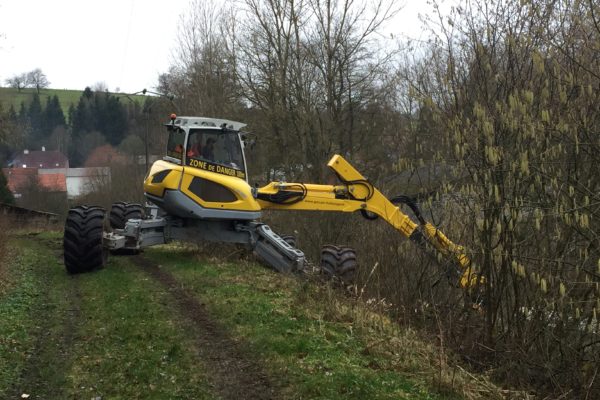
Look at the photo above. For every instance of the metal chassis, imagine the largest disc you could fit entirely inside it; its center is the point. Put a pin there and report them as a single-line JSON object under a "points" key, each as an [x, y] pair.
{"points": [[142, 233]]}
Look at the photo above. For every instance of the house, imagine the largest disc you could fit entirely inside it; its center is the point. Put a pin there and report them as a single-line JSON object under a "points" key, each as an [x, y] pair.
{"points": [[50, 172], [19, 178], [40, 159], [26, 185]]}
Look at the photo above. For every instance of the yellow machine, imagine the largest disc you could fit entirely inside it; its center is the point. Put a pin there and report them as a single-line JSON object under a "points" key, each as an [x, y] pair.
{"points": [[201, 191]]}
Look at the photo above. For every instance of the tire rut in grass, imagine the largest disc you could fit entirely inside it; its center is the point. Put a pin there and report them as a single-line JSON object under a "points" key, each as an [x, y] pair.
{"points": [[43, 374], [234, 373]]}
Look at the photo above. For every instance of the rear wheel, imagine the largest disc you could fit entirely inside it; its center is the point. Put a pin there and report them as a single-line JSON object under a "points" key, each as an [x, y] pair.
{"points": [[339, 262], [121, 212], [82, 242], [329, 260], [347, 265]]}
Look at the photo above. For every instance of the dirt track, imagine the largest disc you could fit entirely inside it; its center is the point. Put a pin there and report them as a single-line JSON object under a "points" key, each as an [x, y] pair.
{"points": [[234, 373]]}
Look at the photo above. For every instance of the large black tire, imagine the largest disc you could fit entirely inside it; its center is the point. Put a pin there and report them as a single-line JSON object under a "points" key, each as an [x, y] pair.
{"points": [[329, 260], [347, 265], [82, 241], [121, 212], [338, 262]]}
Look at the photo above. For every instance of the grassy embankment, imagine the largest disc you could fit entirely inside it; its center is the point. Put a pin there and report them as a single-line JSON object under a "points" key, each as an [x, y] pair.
{"points": [[122, 333]]}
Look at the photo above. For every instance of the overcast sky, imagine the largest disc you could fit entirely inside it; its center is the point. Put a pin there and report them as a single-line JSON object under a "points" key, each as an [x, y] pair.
{"points": [[124, 43]]}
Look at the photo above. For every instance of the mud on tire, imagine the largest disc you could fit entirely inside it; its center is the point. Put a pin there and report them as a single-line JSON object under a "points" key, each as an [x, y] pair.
{"points": [[120, 212], [82, 241], [339, 262]]}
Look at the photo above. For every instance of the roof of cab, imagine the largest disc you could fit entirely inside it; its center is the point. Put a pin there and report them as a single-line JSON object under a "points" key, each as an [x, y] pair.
{"points": [[205, 122]]}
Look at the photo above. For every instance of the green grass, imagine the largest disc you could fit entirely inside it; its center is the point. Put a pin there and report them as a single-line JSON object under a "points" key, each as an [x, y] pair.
{"points": [[18, 298], [10, 96], [309, 341], [132, 347], [118, 333], [119, 342]]}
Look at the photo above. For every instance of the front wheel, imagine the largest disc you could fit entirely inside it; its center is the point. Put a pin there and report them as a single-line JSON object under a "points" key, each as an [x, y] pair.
{"points": [[82, 241]]}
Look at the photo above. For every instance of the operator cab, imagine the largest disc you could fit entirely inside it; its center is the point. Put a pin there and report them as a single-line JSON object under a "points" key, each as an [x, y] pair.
{"points": [[211, 144]]}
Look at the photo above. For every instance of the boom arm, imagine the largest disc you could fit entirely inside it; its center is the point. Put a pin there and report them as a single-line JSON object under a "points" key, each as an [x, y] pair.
{"points": [[356, 193]]}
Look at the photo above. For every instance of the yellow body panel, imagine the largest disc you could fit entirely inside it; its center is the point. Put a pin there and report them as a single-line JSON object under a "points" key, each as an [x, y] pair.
{"points": [[239, 187], [180, 178], [171, 181]]}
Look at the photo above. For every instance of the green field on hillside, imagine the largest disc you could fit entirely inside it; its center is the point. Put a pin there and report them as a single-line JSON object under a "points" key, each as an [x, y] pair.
{"points": [[11, 96]]}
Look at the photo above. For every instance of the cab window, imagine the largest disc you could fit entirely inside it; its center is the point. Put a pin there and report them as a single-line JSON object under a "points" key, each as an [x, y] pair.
{"points": [[215, 146], [175, 143]]}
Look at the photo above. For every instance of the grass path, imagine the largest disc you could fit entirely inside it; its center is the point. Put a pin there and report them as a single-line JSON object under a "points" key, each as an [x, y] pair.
{"points": [[170, 325], [107, 334], [235, 372]]}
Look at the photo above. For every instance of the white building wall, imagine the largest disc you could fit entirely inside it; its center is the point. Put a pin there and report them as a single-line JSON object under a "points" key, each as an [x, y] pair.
{"points": [[80, 180]]}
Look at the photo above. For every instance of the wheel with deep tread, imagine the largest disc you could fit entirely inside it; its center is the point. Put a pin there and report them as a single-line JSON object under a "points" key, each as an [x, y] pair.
{"points": [[347, 265], [329, 260], [121, 212], [82, 241], [291, 240], [339, 262]]}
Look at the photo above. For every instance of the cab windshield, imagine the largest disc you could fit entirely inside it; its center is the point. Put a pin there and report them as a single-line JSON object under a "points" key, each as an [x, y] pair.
{"points": [[215, 146]]}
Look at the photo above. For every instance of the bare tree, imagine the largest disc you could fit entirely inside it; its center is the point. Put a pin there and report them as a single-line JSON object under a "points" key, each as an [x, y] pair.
{"points": [[203, 78], [310, 68], [100, 86], [17, 81], [37, 79]]}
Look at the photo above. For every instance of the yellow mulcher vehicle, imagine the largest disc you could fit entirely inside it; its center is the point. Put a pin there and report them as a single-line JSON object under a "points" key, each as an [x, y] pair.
{"points": [[200, 191]]}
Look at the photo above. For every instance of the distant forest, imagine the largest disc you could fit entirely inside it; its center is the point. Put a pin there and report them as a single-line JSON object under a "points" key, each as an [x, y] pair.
{"points": [[97, 119]]}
